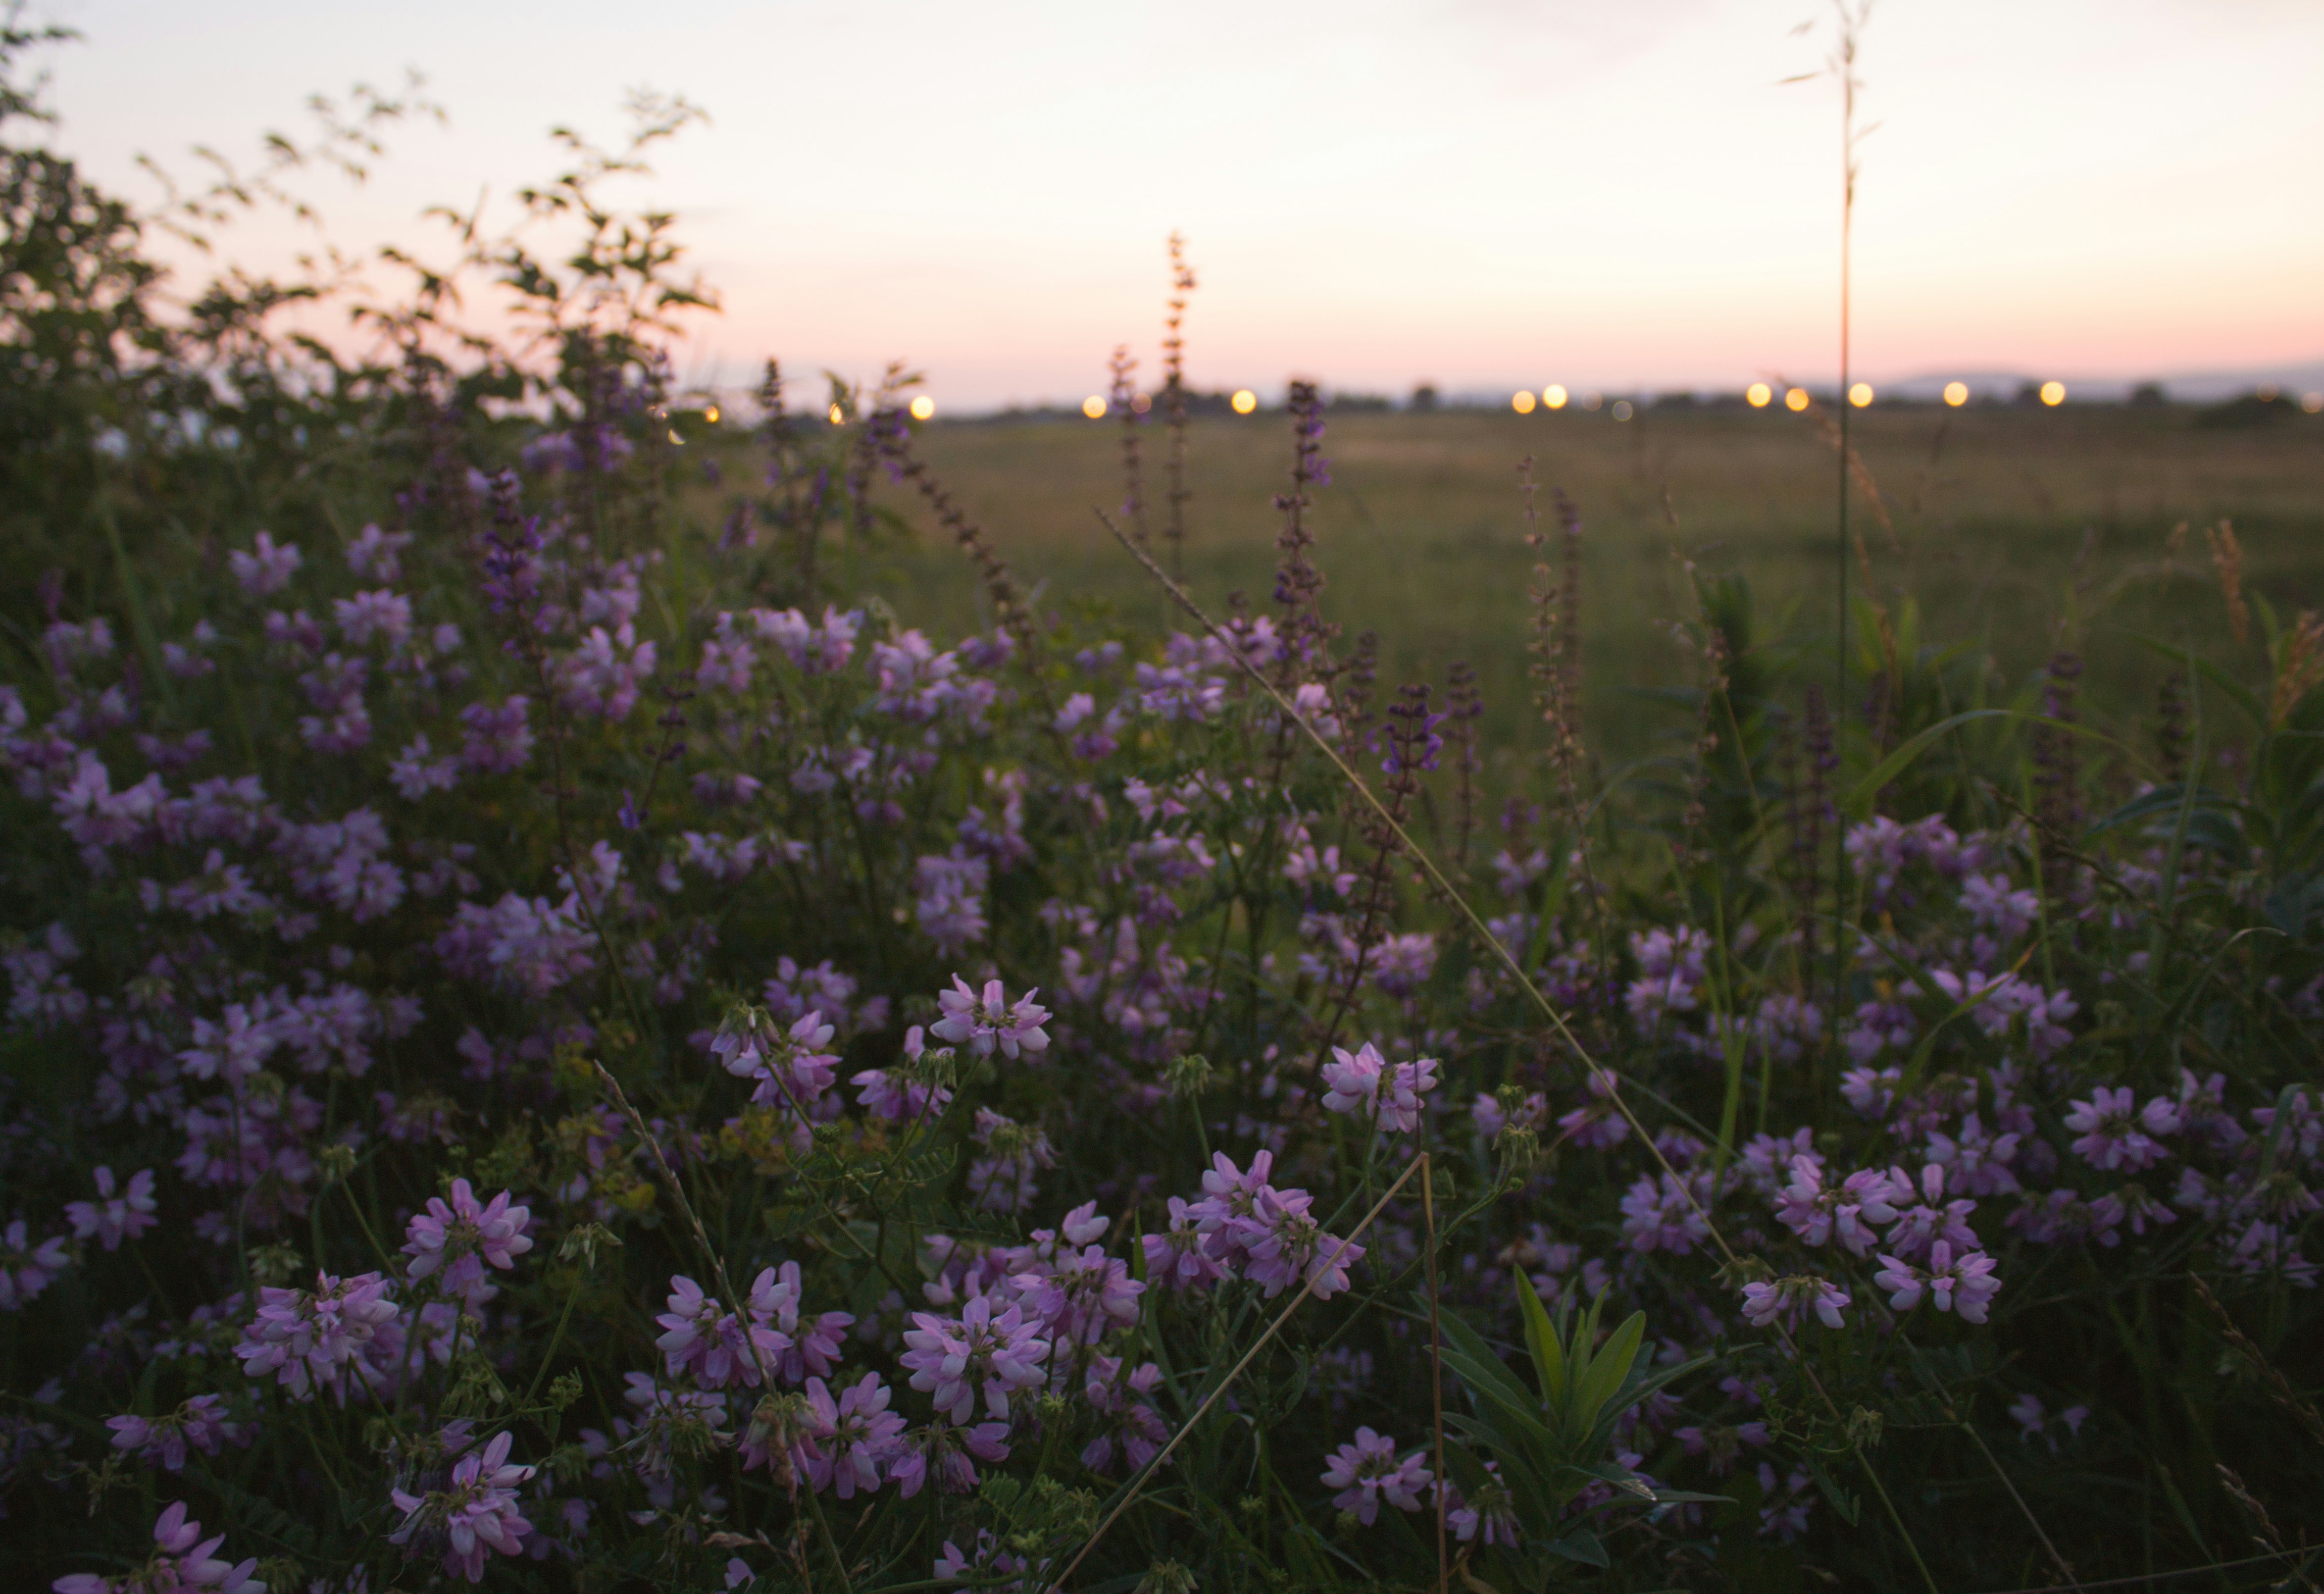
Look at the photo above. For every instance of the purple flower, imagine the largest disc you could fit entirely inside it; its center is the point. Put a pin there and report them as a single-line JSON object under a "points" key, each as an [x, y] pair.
{"points": [[847, 1444], [1285, 1244], [1127, 1418], [477, 1512], [702, 1337], [1966, 1286], [266, 568], [1489, 1519], [459, 1238], [809, 1345], [383, 614], [952, 1453], [790, 1066], [982, 1023], [1081, 1295], [372, 555], [161, 1442], [183, 1560], [1368, 1083], [1668, 1215], [416, 770], [310, 1337], [1788, 1298], [111, 1218], [1177, 1258], [1847, 1212], [2113, 1135], [499, 739], [1366, 1472], [2033, 1420], [951, 1359]]}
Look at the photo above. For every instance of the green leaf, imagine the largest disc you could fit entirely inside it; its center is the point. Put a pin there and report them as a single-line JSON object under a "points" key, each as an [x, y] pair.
{"points": [[2237, 692], [1468, 1356], [1899, 762], [1849, 1506], [1610, 1369], [1580, 1545], [1541, 1338]]}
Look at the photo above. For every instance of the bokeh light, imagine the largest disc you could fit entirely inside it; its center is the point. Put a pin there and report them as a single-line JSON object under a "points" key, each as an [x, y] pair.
{"points": [[1622, 410], [1521, 402], [838, 416], [1860, 394], [1758, 394], [1956, 394], [710, 415], [2053, 394], [1244, 401], [1093, 407], [2312, 403], [1796, 398], [1553, 396], [1591, 400], [924, 408]]}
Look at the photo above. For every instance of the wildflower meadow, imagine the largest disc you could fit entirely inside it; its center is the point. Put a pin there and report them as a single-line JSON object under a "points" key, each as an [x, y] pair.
{"points": [[552, 1042]]}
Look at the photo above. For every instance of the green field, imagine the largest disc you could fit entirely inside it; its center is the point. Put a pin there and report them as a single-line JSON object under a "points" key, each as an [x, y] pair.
{"points": [[2012, 527]]}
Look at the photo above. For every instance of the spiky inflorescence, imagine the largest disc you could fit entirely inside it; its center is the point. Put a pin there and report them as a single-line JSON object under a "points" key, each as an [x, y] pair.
{"points": [[2171, 730], [1297, 582], [2057, 769], [1122, 395], [1464, 709], [1174, 398]]}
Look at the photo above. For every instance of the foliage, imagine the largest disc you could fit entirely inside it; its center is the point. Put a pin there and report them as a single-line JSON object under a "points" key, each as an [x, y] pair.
{"points": [[548, 1045]]}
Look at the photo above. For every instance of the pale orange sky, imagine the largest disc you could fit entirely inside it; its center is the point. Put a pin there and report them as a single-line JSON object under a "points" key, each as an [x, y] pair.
{"points": [[1479, 193]]}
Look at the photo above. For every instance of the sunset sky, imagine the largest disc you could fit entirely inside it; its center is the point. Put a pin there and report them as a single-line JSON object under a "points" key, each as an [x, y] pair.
{"points": [[1480, 193]]}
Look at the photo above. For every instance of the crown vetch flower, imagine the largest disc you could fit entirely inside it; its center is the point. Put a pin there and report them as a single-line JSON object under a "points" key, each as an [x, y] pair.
{"points": [[182, 1560], [161, 1442], [1788, 1298], [477, 1512], [848, 1443], [702, 1337], [807, 1345], [312, 1338], [1965, 1284], [26, 1269], [952, 1358], [457, 1238], [983, 1022], [1366, 1472]]}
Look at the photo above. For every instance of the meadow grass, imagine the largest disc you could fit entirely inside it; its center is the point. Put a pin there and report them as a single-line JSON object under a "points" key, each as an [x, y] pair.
{"points": [[2022, 527]]}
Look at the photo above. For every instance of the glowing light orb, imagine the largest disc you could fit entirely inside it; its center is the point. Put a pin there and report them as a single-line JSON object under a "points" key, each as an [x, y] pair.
{"points": [[924, 408], [710, 415], [1796, 398], [1521, 402], [1590, 402], [838, 416], [1245, 401], [1093, 407], [2053, 394], [1758, 394], [2312, 403], [1553, 396], [1622, 410], [1956, 394], [1860, 394]]}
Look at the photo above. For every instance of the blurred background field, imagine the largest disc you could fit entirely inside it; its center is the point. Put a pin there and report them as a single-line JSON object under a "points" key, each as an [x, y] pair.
{"points": [[2022, 529]]}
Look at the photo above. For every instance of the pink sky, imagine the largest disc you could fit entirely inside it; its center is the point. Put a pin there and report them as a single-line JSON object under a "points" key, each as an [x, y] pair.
{"points": [[1477, 192]]}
